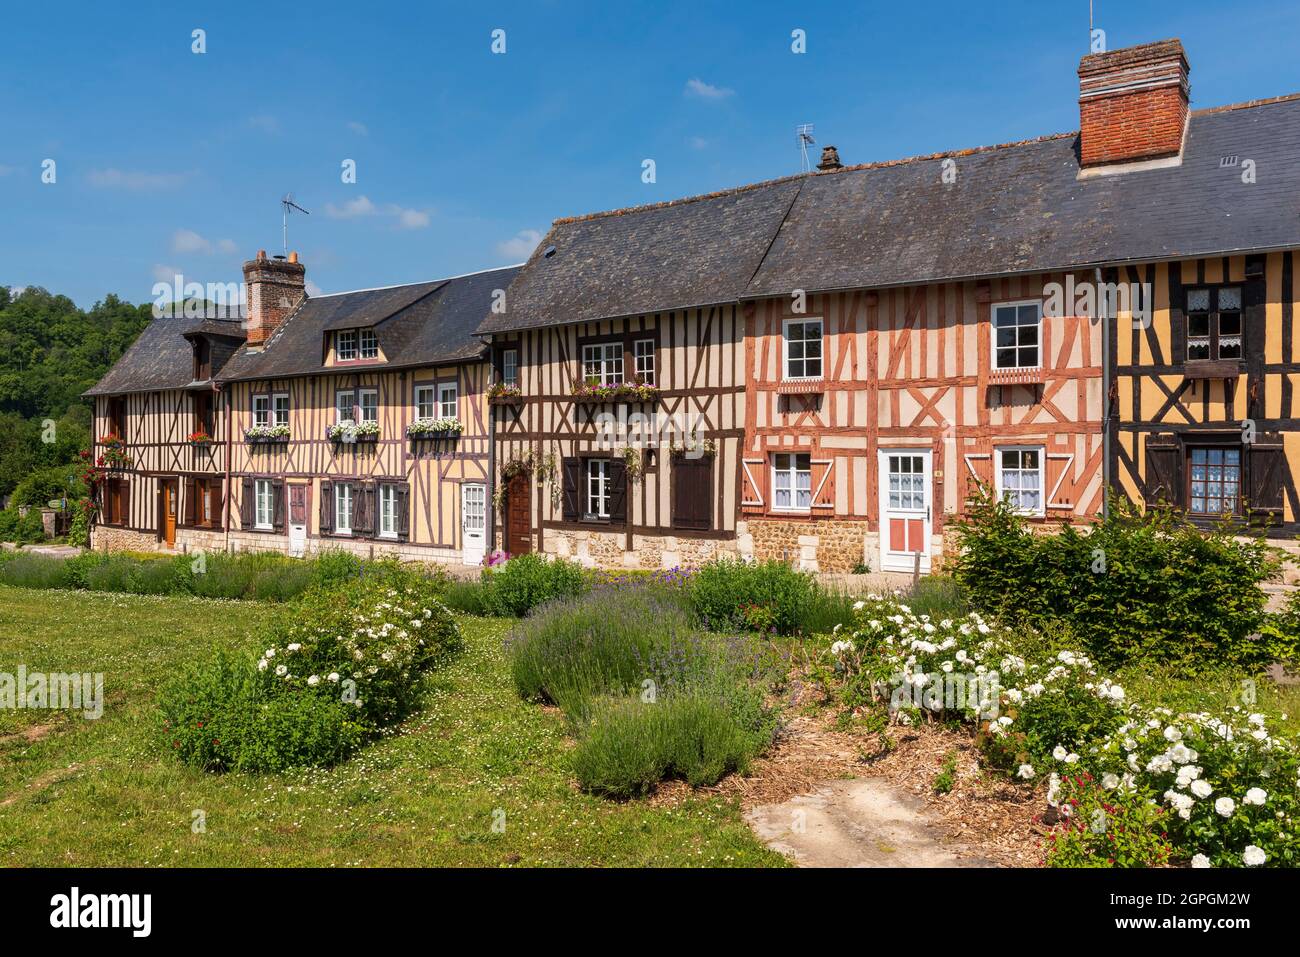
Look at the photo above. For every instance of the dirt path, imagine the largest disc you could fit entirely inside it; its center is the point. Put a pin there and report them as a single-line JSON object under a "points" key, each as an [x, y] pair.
{"points": [[865, 822]]}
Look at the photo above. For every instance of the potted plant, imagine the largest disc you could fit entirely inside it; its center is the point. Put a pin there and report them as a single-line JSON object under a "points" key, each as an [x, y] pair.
{"points": [[114, 455], [443, 428], [499, 393], [199, 439]]}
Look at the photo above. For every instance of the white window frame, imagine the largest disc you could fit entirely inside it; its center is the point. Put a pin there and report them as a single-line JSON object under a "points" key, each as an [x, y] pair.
{"points": [[426, 408], [349, 352], [607, 357], [448, 400], [597, 489], [261, 410], [343, 491], [786, 325], [1042, 476], [351, 416], [263, 504], [275, 408], [993, 334], [367, 344], [791, 473], [367, 414], [510, 367], [643, 358], [387, 511]]}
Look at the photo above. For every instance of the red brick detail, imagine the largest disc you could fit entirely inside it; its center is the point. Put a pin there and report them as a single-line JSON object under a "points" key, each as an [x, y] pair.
{"points": [[1133, 103], [274, 287]]}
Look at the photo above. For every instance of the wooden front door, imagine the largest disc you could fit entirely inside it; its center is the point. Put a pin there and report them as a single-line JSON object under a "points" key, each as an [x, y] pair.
{"points": [[519, 539], [169, 496]]}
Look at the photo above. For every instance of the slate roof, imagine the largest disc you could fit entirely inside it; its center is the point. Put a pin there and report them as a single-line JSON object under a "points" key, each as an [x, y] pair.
{"points": [[1017, 208], [161, 356], [421, 324]]}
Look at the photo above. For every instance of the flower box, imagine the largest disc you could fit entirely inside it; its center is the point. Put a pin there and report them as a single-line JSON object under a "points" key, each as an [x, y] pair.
{"points": [[444, 428], [350, 433], [595, 393], [266, 434], [510, 400]]}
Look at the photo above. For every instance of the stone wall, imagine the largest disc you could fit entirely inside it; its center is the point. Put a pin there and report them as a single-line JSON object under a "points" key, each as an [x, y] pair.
{"points": [[600, 549], [827, 545], [106, 538]]}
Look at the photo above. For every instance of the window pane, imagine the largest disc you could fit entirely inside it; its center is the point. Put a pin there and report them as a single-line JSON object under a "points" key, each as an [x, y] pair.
{"points": [[1198, 300], [1198, 325], [1229, 298], [1198, 349]]}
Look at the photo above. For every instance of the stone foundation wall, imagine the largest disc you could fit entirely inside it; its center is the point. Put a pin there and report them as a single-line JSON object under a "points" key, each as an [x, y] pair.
{"points": [[826, 545], [106, 538], [597, 549]]}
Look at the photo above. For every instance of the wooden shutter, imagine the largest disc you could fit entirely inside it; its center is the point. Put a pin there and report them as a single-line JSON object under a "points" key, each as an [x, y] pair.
{"points": [[617, 491], [277, 505], [572, 479], [124, 502], [247, 504], [363, 508], [403, 506], [753, 485], [326, 507], [192, 512], [822, 477], [215, 502], [692, 492], [1267, 464], [1164, 472]]}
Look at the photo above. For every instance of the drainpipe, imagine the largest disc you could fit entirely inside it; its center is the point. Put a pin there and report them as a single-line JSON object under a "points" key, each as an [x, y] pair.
{"points": [[226, 505], [1105, 396], [489, 506]]}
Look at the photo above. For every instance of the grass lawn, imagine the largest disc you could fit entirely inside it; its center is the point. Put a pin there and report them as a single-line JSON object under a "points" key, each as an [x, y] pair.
{"points": [[100, 793]]}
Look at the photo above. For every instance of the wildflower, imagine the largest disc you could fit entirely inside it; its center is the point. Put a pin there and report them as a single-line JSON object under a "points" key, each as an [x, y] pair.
{"points": [[314, 680], [261, 665], [1224, 806], [281, 670], [1059, 753], [1253, 856], [1201, 788], [1200, 860], [1109, 781], [1025, 771], [1256, 796]]}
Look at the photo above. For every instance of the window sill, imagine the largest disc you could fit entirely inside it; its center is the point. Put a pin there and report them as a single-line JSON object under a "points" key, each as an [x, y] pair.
{"points": [[1214, 369], [801, 386], [1017, 376]]}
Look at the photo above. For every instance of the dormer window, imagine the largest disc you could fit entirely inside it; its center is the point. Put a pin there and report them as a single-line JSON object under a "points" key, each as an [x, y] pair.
{"points": [[345, 345], [368, 344], [202, 360]]}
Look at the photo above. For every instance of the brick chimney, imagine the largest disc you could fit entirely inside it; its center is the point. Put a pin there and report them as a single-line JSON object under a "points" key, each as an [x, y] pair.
{"points": [[1133, 103], [830, 159], [274, 287]]}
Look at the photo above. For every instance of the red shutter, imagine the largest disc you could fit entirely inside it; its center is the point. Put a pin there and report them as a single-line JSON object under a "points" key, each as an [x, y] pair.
{"points": [[753, 486], [822, 476]]}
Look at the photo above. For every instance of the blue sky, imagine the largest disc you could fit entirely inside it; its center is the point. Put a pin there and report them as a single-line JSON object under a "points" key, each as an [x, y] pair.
{"points": [[171, 161]]}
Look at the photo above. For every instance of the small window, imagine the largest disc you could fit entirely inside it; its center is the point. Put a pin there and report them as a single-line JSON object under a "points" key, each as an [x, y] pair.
{"points": [[1020, 478], [345, 345], [803, 348], [345, 405], [368, 404], [388, 511], [425, 406], [447, 401], [1214, 324], [597, 491], [265, 504], [343, 508], [1214, 481], [202, 359], [791, 482], [644, 351], [116, 414], [203, 412], [368, 344], [280, 404], [261, 410], [603, 364], [1016, 330], [510, 367]]}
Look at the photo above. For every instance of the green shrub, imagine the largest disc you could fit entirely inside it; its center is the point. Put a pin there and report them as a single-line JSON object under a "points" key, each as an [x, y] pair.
{"points": [[629, 744], [469, 598], [334, 566], [27, 570], [21, 529], [1138, 587], [77, 568], [526, 582], [939, 596], [766, 596], [79, 526], [42, 485], [1101, 828]]}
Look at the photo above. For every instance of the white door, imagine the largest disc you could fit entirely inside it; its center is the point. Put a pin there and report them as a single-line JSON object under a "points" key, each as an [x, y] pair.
{"points": [[905, 508], [473, 511]]}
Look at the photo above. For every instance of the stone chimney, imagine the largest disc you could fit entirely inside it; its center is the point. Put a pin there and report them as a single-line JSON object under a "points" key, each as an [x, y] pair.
{"points": [[274, 287], [1133, 103], [830, 159]]}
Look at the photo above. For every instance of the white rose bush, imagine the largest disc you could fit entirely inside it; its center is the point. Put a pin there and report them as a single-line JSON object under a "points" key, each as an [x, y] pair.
{"points": [[1223, 790]]}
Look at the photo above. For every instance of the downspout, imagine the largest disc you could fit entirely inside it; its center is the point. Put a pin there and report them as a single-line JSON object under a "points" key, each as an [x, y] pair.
{"points": [[226, 505], [1105, 395], [489, 506]]}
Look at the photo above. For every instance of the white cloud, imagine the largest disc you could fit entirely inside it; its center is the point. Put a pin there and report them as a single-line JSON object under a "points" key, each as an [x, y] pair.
{"points": [[361, 206], [188, 241], [137, 180], [520, 246], [264, 122], [313, 289], [359, 128], [409, 218], [707, 91]]}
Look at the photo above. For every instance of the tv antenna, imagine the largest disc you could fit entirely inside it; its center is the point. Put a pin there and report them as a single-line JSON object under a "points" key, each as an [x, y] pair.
{"points": [[804, 133], [287, 204]]}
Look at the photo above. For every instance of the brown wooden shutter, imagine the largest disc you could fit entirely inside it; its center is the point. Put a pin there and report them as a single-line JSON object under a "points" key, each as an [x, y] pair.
{"points": [[753, 486], [572, 479], [192, 512], [692, 492], [124, 502], [247, 504], [617, 491], [403, 506], [1164, 472], [326, 507], [1267, 464], [822, 477], [215, 502], [363, 508], [277, 505]]}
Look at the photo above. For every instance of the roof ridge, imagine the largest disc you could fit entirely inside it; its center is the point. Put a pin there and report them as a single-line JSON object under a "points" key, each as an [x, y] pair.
{"points": [[881, 164], [1247, 104], [419, 282]]}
